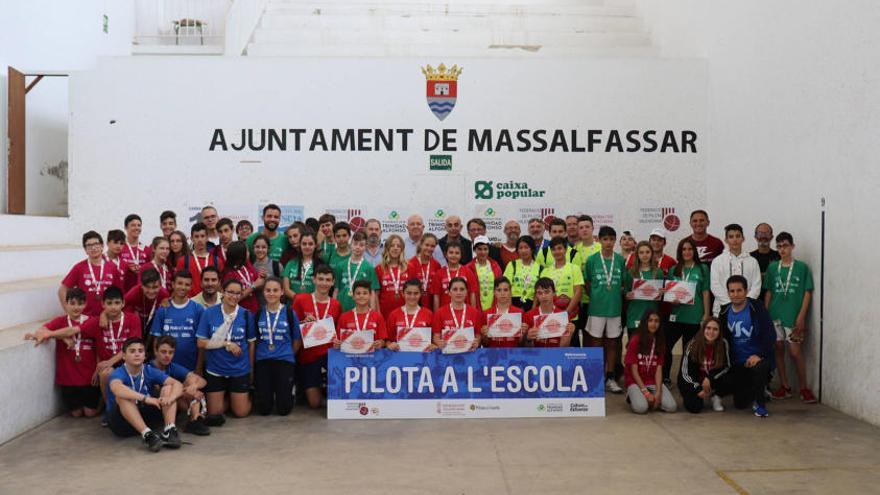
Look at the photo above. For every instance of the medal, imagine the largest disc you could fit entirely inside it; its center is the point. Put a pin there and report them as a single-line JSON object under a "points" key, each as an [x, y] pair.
{"points": [[273, 324]]}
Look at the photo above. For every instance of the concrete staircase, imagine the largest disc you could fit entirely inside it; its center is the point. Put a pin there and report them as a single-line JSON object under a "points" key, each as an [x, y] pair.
{"points": [[482, 28]]}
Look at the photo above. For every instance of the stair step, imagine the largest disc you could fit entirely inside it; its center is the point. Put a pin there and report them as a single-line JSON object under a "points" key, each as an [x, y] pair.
{"points": [[446, 51], [29, 300], [451, 9], [27, 262], [552, 24]]}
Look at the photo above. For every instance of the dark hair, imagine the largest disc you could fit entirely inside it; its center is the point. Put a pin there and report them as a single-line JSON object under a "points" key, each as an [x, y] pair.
{"points": [[168, 340], [360, 235], [732, 227], [557, 241], [545, 283], [326, 218], [528, 241], [271, 206], [272, 278], [342, 226], [243, 223], [261, 237], [317, 259], [75, 294], [453, 244], [501, 280], [557, 221], [166, 215], [585, 218], [784, 236], [198, 227], [158, 240], [131, 218], [210, 269], [478, 221], [361, 284], [324, 270], [224, 221], [113, 293], [149, 276], [645, 337], [236, 256], [91, 235], [184, 249], [132, 341], [182, 274], [699, 212], [679, 264], [413, 282], [737, 279], [115, 235], [607, 231], [458, 279], [231, 281], [313, 223]]}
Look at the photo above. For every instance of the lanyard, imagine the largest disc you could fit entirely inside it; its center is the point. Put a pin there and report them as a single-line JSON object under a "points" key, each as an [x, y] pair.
{"points": [[115, 336], [315, 305], [686, 273], [356, 271], [357, 321], [455, 318], [245, 276], [77, 339], [449, 275], [609, 271], [426, 275], [140, 385], [116, 262], [650, 360], [199, 265], [395, 280], [152, 310], [486, 278], [787, 278], [528, 271], [272, 325], [407, 323], [163, 277], [134, 253], [97, 282]]}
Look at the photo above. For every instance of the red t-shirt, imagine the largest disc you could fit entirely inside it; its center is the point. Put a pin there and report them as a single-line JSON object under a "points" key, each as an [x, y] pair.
{"points": [[468, 317], [507, 256], [137, 302], [68, 371], [440, 283], [247, 275], [196, 265], [109, 340], [709, 248], [648, 363], [84, 276], [397, 321], [165, 274], [708, 364], [389, 298], [219, 254], [351, 322], [529, 319], [423, 272], [304, 307], [139, 254], [501, 341]]}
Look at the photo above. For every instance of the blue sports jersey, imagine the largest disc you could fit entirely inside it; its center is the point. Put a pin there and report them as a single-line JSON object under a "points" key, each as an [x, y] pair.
{"points": [[174, 370], [221, 362], [744, 338], [180, 323], [281, 336], [141, 383]]}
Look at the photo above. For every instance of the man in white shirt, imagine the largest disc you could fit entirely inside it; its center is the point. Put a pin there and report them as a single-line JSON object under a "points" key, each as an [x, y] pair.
{"points": [[733, 261], [415, 228], [373, 253]]}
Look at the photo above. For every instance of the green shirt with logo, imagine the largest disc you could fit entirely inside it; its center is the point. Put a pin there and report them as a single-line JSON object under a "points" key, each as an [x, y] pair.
{"points": [[301, 280], [605, 276], [342, 268], [277, 245], [522, 279], [635, 308], [690, 314], [787, 293]]}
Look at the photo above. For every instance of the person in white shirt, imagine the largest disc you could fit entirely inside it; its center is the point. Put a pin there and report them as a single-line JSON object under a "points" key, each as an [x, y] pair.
{"points": [[733, 261], [415, 228], [373, 253]]}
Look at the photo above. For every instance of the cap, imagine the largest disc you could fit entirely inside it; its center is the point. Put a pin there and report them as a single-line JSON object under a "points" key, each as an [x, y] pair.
{"points": [[481, 239], [659, 233]]}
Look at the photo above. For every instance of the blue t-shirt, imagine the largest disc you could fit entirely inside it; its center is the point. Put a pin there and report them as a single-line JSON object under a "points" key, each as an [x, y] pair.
{"points": [[180, 323], [283, 350], [220, 362], [141, 383], [173, 370], [744, 337]]}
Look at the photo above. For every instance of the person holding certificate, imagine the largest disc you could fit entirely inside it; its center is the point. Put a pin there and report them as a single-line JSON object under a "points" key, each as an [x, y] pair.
{"points": [[503, 321], [547, 325], [523, 273], [642, 293], [454, 324], [278, 341], [643, 373], [391, 274], [362, 329], [409, 326], [687, 289]]}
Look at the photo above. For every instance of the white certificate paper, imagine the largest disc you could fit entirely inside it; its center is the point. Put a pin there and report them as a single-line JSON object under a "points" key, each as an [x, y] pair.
{"points": [[680, 291], [415, 339], [647, 290], [315, 333], [357, 342], [551, 326], [458, 340], [504, 325]]}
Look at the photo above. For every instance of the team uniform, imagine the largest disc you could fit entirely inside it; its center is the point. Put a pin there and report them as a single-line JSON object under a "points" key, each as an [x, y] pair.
{"points": [[787, 286], [313, 359], [390, 288], [529, 319], [194, 265], [139, 255], [274, 358], [565, 279], [142, 383], [136, 302], [108, 341], [486, 275], [500, 341], [636, 308], [74, 367], [346, 274], [647, 366], [165, 274], [447, 318], [93, 280], [399, 320], [247, 275], [180, 322], [522, 282], [277, 245], [685, 319], [442, 277], [371, 321], [424, 272], [224, 371], [606, 278], [300, 276]]}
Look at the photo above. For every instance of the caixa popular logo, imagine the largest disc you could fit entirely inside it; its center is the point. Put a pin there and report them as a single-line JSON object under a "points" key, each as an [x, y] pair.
{"points": [[442, 88], [487, 189]]}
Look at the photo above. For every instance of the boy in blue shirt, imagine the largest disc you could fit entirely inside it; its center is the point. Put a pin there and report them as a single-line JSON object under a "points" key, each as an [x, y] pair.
{"points": [[180, 319], [192, 399]]}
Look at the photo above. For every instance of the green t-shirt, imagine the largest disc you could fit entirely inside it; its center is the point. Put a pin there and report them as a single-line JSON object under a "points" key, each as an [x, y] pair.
{"points": [[690, 313], [786, 304], [299, 282], [522, 279], [606, 298], [342, 268], [565, 279], [636, 308], [581, 254], [277, 245], [486, 279], [328, 250]]}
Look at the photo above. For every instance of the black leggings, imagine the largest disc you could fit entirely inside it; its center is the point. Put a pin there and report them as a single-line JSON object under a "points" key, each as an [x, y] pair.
{"points": [[273, 380], [675, 331], [692, 402], [749, 384]]}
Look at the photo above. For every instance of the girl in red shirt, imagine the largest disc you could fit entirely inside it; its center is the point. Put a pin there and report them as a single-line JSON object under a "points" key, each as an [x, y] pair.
{"points": [[440, 284], [410, 315], [161, 250], [643, 367], [239, 268], [391, 274], [457, 314], [503, 305], [423, 265]]}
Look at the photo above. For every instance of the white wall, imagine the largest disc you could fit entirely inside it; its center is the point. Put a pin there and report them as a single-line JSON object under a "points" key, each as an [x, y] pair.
{"points": [[793, 99]]}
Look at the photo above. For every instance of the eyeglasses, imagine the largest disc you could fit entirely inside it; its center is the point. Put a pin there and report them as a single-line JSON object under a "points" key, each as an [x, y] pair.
{"points": [[90, 245], [233, 294]]}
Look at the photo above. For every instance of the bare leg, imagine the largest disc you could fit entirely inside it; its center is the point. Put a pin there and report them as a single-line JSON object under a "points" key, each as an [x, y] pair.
{"points": [[780, 363], [240, 404], [131, 414], [169, 412], [90, 413], [799, 362], [314, 397], [216, 403]]}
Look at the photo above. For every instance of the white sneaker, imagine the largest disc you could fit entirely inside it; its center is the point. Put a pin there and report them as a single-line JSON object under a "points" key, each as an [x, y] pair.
{"points": [[612, 386], [716, 403]]}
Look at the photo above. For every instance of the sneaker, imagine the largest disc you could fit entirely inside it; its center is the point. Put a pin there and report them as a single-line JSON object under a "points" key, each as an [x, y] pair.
{"points": [[716, 403], [781, 393], [197, 427], [152, 441], [215, 420], [171, 438], [612, 386], [760, 411], [808, 397]]}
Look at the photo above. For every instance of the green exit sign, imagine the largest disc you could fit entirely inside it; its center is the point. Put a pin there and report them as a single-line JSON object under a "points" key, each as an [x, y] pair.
{"points": [[441, 162]]}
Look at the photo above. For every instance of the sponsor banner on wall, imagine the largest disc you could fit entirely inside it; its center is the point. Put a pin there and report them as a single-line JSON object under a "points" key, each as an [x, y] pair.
{"points": [[393, 220], [356, 216], [664, 217], [486, 383], [435, 220], [494, 216], [289, 214]]}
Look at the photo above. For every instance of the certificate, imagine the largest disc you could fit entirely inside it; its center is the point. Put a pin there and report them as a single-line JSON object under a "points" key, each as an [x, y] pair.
{"points": [[319, 332], [551, 326], [504, 325], [357, 342], [647, 290], [678, 291], [415, 339], [458, 340]]}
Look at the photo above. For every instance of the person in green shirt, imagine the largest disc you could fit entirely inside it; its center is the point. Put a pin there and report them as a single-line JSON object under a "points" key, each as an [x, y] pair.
{"points": [[644, 267], [298, 272], [341, 238], [523, 273], [351, 268], [603, 280], [580, 252], [789, 286], [277, 242], [325, 235], [685, 319], [567, 278]]}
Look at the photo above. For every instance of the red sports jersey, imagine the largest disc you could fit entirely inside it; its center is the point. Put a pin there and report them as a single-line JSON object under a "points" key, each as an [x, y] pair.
{"points": [[440, 283], [247, 275], [445, 319], [424, 272], [109, 340], [304, 307], [398, 320], [84, 275], [140, 255], [390, 288], [68, 370], [529, 319], [219, 254], [137, 302], [501, 341], [165, 274], [351, 322], [196, 265], [648, 363]]}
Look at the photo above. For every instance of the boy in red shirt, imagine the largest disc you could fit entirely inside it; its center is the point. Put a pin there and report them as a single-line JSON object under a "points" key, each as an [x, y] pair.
{"points": [[93, 275], [545, 294], [226, 231], [361, 318], [199, 259], [74, 357], [115, 240], [134, 254], [146, 298]]}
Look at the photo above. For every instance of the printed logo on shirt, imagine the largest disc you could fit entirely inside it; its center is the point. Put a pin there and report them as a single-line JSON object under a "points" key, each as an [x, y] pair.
{"points": [[739, 331]]}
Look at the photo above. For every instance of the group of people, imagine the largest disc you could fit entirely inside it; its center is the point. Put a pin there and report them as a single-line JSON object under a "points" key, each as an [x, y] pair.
{"points": [[197, 323]]}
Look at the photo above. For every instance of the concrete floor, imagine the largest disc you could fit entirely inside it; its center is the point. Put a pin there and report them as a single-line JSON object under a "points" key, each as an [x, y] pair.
{"points": [[800, 448]]}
